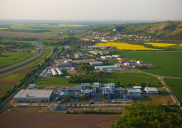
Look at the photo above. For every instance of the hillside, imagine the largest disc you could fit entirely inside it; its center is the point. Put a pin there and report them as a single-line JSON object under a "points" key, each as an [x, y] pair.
{"points": [[170, 30]]}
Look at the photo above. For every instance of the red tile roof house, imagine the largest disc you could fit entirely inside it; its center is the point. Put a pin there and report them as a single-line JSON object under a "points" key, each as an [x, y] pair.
{"points": [[70, 55]]}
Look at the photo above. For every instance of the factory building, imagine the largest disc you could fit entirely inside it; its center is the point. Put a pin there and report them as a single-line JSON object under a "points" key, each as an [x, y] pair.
{"points": [[59, 71], [79, 62], [73, 89], [137, 87], [151, 90], [96, 63], [54, 72], [64, 94], [63, 63], [109, 93], [134, 92], [33, 95], [85, 86]]}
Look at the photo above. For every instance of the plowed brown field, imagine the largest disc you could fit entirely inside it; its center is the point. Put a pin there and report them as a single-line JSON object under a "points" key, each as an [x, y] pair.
{"points": [[44, 120], [25, 71], [1, 94], [24, 34], [7, 83]]}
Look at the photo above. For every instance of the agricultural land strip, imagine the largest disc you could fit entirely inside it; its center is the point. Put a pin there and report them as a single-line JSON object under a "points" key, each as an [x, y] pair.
{"points": [[169, 63], [176, 87]]}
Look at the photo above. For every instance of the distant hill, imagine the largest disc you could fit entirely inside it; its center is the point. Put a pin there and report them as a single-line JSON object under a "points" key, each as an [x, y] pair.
{"points": [[171, 30]]}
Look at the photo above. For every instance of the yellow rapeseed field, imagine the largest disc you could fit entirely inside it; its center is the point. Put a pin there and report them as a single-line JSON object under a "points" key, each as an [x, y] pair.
{"points": [[4, 28], [161, 44], [125, 46]]}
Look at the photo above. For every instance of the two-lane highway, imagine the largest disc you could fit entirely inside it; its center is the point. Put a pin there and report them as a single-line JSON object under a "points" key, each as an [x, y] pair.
{"points": [[39, 53]]}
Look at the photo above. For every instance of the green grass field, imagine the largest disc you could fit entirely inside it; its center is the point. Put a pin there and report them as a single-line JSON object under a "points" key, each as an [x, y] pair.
{"points": [[125, 77], [12, 77], [169, 63], [176, 87], [128, 77], [13, 57], [4, 88]]}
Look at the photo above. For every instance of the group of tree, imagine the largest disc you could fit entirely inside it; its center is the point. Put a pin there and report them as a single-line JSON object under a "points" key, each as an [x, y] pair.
{"points": [[84, 67], [87, 77], [147, 116]]}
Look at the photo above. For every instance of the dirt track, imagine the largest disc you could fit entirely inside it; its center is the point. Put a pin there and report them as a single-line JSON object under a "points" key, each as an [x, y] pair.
{"points": [[36, 120], [7, 83], [24, 34]]}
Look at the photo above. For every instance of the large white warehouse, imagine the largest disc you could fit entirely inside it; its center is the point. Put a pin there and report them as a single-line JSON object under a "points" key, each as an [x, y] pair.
{"points": [[59, 71], [54, 72], [33, 95]]}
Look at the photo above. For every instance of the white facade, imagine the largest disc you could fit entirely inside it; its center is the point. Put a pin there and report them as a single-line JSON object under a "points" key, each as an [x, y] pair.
{"points": [[116, 56], [105, 67], [59, 71], [96, 63], [137, 87], [54, 73], [96, 84], [151, 90]]}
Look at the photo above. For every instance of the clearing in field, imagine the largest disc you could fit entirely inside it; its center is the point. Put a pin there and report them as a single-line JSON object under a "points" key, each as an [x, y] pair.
{"points": [[161, 44], [55, 120], [125, 46], [176, 87], [13, 57], [161, 98], [169, 63]]}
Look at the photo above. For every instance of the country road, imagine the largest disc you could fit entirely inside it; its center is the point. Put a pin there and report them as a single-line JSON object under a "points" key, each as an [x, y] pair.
{"points": [[161, 78]]}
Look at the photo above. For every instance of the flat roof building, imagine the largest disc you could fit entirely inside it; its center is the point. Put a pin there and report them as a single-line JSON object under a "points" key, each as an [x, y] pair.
{"points": [[134, 92], [33, 95], [63, 63], [151, 90], [78, 62]]}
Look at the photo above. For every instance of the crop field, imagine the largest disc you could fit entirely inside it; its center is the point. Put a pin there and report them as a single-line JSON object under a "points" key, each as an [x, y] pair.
{"points": [[13, 57], [125, 46], [3, 28], [169, 63], [47, 120], [50, 33], [12, 77], [24, 34], [4, 88], [161, 44], [162, 98], [129, 77], [176, 87], [72, 25]]}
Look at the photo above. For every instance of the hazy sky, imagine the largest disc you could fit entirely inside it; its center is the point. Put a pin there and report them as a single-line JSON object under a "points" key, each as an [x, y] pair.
{"points": [[91, 9]]}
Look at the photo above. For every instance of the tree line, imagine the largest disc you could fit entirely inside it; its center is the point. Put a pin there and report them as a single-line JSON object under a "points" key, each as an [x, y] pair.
{"points": [[147, 116]]}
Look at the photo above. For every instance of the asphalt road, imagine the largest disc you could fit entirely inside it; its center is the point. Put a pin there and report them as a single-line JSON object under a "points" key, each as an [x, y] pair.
{"points": [[161, 78], [39, 53]]}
